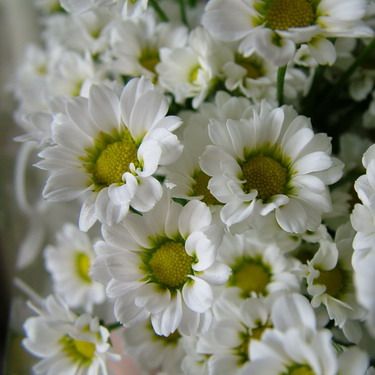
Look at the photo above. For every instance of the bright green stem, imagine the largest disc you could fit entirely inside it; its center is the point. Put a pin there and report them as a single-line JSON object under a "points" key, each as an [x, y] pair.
{"points": [[113, 326], [159, 11], [280, 84], [183, 12]]}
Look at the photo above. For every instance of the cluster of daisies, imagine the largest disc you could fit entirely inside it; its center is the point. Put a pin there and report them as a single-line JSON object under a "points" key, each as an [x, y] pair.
{"points": [[204, 197]]}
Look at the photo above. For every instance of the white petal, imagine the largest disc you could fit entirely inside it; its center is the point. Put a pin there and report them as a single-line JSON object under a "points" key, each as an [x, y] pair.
{"points": [[167, 321], [217, 274], [197, 295], [104, 108], [149, 192], [292, 217], [194, 217], [87, 217], [152, 298]]}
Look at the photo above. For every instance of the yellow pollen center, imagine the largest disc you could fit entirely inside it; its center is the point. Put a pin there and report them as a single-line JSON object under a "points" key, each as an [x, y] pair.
{"points": [[300, 370], [83, 266], [114, 161], [286, 14], [200, 188], [334, 281], [79, 351], [171, 265], [252, 65], [149, 59], [251, 276], [266, 175], [193, 74]]}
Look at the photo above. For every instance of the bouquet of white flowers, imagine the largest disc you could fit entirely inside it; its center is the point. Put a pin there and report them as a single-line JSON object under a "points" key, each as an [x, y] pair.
{"points": [[219, 162]]}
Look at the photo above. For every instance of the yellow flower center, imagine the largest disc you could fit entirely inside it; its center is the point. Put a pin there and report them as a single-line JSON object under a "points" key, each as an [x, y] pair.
{"points": [[200, 188], [193, 74], [334, 281], [242, 351], [78, 351], [286, 14], [109, 158], [266, 175], [149, 59], [300, 370], [83, 264], [170, 340], [170, 265], [253, 66], [114, 161], [251, 276]]}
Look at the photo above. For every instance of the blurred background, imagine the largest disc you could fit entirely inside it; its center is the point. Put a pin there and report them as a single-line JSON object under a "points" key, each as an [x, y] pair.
{"points": [[18, 27]]}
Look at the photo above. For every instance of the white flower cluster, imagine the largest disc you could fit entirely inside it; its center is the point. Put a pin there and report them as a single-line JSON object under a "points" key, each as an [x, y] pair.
{"points": [[211, 228]]}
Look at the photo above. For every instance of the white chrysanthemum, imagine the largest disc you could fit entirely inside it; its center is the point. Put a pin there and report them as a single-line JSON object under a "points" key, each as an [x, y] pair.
{"points": [[259, 269], [107, 149], [192, 71], [364, 279], [329, 277], [84, 33], [80, 6], [48, 6], [271, 163], [255, 77], [69, 73], [227, 343], [69, 263], [153, 351], [185, 176], [363, 216], [162, 264], [353, 361], [66, 343], [136, 44], [294, 346], [194, 363], [273, 28], [30, 86]]}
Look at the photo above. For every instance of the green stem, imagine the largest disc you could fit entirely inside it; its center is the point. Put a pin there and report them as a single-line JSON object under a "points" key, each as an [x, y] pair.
{"points": [[183, 12], [159, 11], [280, 84], [113, 326]]}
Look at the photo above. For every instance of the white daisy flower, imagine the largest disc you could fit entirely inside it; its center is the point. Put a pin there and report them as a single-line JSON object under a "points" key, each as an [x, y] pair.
{"points": [[185, 177], [107, 149], [363, 215], [194, 363], [353, 361], [294, 346], [81, 6], [255, 77], [49, 6], [192, 71], [66, 343], [84, 33], [259, 269], [329, 277], [69, 263], [274, 28], [153, 351], [227, 343], [161, 265], [271, 163], [136, 44], [70, 73], [364, 279]]}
